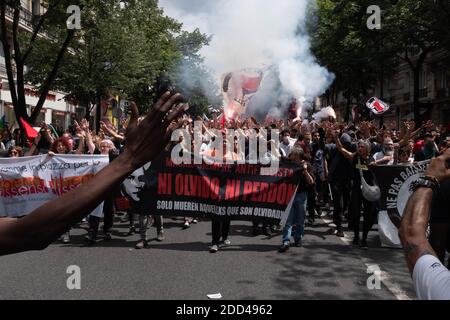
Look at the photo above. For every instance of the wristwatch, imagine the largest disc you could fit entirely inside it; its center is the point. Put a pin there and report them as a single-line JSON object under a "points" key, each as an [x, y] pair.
{"points": [[425, 182]]}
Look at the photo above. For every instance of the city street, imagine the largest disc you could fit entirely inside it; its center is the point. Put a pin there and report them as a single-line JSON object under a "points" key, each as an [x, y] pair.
{"points": [[181, 267], [248, 110]]}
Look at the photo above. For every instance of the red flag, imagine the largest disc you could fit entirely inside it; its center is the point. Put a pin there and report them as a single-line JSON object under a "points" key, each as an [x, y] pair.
{"points": [[378, 106], [29, 130]]}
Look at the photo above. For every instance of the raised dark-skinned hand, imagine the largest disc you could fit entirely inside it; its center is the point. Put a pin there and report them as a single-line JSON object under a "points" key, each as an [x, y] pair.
{"points": [[145, 139]]}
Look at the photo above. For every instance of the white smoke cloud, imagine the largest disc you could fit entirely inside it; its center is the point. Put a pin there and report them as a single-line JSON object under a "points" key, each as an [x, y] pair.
{"points": [[325, 113], [257, 34]]}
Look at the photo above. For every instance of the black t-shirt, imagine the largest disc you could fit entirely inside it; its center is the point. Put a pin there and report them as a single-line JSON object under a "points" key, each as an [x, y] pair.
{"points": [[440, 210], [358, 163], [304, 186], [339, 168]]}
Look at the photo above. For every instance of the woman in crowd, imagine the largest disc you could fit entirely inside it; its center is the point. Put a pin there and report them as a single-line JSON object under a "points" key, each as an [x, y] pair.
{"points": [[15, 152], [221, 226], [61, 146], [360, 161], [107, 148], [6, 142]]}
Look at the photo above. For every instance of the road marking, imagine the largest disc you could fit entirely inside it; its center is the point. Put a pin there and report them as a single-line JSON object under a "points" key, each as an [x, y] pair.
{"points": [[385, 278]]}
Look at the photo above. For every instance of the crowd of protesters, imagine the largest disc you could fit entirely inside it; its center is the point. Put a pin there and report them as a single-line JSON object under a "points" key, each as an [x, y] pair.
{"points": [[335, 157]]}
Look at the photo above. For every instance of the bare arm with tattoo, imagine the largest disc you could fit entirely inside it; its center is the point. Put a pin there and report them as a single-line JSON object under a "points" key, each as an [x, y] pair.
{"points": [[431, 279], [414, 226], [417, 213]]}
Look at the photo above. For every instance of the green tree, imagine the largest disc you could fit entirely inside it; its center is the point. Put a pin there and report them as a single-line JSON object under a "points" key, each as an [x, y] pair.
{"points": [[360, 57], [51, 26], [356, 55], [122, 49], [191, 77], [126, 49], [422, 25]]}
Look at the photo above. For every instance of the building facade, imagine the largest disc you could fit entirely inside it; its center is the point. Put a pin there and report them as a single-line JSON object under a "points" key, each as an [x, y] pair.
{"points": [[398, 91], [56, 109]]}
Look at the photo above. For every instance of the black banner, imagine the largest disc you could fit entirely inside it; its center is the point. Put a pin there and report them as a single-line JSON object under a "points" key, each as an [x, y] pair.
{"points": [[236, 191], [394, 182]]}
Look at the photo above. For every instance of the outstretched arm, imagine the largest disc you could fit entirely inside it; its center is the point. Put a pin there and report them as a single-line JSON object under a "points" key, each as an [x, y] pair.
{"points": [[112, 133], [417, 213], [45, 224], [341, 149]]}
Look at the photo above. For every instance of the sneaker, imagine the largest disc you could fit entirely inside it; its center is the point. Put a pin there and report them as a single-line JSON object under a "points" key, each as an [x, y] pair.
{"points": [[227, 243], [90, 240], [131, 231], [141, 244], [214, 248], [340, 233], [267, 231], [364, 244], [195, 221], [160, 236], [186, 225], [66, 238], [355, 241], [107, 236], [298, 243], [276, 228], [284, 248]]}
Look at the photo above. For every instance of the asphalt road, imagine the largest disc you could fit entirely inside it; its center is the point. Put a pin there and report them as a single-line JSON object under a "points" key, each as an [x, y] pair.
{"points": [[181, 267]]}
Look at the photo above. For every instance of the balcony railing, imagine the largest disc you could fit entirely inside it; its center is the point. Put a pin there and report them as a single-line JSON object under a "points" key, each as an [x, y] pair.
{"points": [[26, 17], [423, 93], [3, 70], [443, 93]]}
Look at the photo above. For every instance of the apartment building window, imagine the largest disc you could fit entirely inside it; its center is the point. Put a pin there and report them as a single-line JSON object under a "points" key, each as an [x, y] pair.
{"points": [[59, 119], [423, 84], [442, 84], [36, 7], [442, 79], [25, 4], [423, 79], [41, 116], [2, 55]]}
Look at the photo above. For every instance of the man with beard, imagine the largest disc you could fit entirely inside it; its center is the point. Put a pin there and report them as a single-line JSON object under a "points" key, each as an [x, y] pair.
{"points": [[386, 155]]}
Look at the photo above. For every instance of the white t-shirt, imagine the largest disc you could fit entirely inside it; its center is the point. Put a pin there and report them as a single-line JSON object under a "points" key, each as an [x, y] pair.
{"points": [[380, 155], [431, 279], [286, 149]]}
